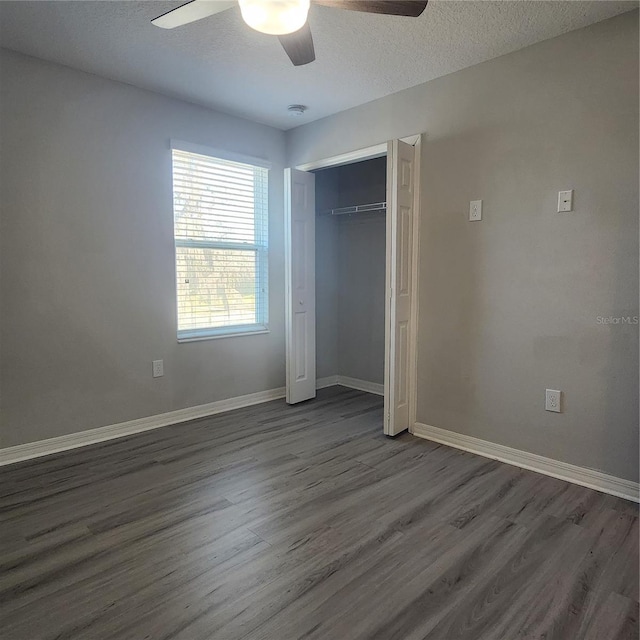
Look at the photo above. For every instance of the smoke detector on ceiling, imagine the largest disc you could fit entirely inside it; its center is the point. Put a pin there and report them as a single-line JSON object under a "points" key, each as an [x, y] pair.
{"points": [[296, 110]]}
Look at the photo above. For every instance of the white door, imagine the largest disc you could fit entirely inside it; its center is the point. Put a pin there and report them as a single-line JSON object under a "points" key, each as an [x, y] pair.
{"points": [[400, 199], [300, 249]]}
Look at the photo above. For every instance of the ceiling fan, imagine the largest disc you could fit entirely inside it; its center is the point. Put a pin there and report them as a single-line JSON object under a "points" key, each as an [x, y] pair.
{"points": [[286, 19]]}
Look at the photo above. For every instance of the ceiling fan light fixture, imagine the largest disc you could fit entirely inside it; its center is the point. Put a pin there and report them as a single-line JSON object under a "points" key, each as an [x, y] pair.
{"points": [[275, 17]]}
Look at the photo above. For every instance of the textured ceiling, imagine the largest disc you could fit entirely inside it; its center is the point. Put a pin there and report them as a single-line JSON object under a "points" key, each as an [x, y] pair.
{"points": [[221, 63]]}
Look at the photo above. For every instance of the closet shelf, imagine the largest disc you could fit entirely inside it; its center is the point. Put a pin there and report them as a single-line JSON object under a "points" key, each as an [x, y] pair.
{"points": [[358, 208]]}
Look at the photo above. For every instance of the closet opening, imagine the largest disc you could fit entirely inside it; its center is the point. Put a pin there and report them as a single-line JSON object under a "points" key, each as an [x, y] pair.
{"points": [[350, 250], [350, 292]]}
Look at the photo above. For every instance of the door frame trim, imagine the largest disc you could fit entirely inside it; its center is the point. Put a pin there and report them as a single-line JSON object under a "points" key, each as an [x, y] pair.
{"points": [[415, 298], [367, 153], [377, 151]]}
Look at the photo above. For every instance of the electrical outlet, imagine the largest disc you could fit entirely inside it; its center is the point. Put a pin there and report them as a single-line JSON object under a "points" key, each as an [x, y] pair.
{"points": [[565, 201], [552, 400], [158, 368], [475, 210]]}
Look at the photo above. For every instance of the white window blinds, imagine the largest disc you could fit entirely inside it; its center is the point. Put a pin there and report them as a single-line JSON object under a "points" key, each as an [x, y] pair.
{"points": [[221, 228]]}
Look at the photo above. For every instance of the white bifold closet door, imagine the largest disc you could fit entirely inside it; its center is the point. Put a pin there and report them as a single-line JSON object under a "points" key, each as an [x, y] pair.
{"points": [[399, 275], [300, 285]]}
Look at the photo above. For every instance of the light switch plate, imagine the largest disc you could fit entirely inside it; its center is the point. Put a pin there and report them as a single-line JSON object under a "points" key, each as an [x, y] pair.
{"points": [[565, 201], [475, 210]]}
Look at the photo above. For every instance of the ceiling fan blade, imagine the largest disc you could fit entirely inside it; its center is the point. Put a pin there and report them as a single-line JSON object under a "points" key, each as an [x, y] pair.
{"points": [[299, 46], [409, 8], [192, 11]]}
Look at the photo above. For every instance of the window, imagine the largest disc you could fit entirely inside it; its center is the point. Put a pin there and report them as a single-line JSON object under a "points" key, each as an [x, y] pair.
{"points": [[220, 211]]}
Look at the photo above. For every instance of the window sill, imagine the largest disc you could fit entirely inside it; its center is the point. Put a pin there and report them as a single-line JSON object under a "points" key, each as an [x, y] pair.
{"points": [[231, 334]]}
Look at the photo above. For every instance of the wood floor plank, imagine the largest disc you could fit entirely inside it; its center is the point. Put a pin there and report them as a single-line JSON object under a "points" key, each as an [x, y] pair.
{"points": [[279, 522], [617, 619]]}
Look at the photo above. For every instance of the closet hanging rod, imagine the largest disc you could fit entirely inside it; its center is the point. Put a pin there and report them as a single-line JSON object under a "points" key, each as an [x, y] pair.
{"points": [[358, 208]]}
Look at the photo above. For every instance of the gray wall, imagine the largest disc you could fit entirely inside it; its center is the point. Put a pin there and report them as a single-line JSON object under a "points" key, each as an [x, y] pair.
{"points": [[87, 260], [350, 272], [509, 306], [361, 263], [327, 288]]}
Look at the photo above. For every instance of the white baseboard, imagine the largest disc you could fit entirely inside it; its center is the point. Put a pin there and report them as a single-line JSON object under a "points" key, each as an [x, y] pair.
{"points": [[30, 450], [555, 468], [352, 383], [329, 381], [361, 385], [563, 470]]}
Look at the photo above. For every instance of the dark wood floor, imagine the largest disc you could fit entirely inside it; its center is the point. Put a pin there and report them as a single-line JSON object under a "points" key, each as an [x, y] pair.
{"points": [[278, 523]]}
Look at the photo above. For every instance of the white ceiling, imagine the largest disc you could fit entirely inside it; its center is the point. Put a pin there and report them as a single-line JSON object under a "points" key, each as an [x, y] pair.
{"points": [[221, 63]]}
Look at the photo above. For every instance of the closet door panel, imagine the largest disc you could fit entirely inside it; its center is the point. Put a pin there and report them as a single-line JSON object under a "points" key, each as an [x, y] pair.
{"points": [[400, 224], [300, 285]]}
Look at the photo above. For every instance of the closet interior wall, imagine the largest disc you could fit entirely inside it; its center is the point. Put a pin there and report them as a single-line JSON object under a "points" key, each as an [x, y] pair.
{"points": [[350, 272]]}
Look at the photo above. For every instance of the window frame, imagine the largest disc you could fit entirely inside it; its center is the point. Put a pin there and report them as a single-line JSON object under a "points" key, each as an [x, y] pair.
{"points": [[261, 250]]}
